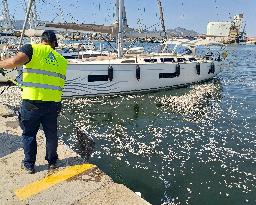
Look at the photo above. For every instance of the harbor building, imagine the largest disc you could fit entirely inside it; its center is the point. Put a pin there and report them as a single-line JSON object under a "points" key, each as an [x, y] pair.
{"points": [[227, 31]]}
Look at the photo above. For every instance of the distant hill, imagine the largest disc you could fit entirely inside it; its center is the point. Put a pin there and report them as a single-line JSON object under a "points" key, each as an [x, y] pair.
{"points": [[182, 32]]}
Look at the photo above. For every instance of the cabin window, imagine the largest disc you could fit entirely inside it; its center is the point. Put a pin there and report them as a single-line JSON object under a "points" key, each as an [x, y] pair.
{"points": [[167, 60], [192, 59], [150, 60], [167, 75], [181, 60], [94, 78]]}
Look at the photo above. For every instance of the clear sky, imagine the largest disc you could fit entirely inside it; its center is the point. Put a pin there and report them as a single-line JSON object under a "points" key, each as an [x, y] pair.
{"points": [[190, 14]]}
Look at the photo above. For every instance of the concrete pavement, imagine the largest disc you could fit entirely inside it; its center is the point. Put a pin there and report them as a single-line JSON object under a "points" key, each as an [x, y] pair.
{"points": [[75, 181]]}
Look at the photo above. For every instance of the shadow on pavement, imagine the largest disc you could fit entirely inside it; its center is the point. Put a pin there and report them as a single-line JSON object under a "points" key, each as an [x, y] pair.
{"points": [[9, 144], [71, 161]]}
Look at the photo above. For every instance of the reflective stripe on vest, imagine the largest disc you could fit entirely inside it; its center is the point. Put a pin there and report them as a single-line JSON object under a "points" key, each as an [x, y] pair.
{"points": [[37, 85], [43, 72]]}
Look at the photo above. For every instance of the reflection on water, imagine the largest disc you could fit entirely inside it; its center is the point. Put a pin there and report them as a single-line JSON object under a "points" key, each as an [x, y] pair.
{"points": [[195, 104], [192, 145]]}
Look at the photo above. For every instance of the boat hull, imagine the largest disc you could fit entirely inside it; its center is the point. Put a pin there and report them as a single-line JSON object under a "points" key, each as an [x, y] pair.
{"points": [[96, 79]]}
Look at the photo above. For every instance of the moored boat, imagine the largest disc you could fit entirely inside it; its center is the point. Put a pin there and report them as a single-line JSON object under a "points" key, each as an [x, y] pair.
{"points": [[128, 73], [137, 73], [107, 76]]}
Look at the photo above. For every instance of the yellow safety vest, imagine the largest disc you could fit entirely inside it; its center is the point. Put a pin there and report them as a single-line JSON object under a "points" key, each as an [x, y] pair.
{"points": [[44, 76]]}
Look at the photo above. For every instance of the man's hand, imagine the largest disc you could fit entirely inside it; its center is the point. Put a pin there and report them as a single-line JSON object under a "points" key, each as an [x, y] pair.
{"points": [[2, 71], [13, 62]]}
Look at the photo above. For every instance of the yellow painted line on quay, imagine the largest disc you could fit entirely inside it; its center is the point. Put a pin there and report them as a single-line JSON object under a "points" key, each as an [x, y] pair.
{"points": [[51, 180]]}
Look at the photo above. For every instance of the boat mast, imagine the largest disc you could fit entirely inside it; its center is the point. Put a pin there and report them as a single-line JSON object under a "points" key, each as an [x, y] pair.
{"points": [[117, 11], [25, 22], [121, 28], [162, 18], [6, 15], [33, 16]]}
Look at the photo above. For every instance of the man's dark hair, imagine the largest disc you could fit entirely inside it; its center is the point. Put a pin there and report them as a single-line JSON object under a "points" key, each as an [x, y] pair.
{"points": [[50, 36]]}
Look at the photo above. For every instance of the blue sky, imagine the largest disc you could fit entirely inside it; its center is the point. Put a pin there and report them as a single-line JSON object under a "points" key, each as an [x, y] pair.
{"points": [[190, 14]]}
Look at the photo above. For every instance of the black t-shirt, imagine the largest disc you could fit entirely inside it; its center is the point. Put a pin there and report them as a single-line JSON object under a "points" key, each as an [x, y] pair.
{"points": [[28, 50]]}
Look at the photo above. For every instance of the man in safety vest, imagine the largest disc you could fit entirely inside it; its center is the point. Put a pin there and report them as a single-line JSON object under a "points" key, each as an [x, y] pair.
{"points": [[44, 74]]}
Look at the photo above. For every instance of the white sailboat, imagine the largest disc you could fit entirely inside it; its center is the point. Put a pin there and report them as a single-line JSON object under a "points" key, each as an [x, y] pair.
{"points": [[110, 75], [129, 74]]}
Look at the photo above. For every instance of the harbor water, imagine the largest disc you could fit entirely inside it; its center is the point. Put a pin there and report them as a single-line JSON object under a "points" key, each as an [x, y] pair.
{"points": [[193, 145]]}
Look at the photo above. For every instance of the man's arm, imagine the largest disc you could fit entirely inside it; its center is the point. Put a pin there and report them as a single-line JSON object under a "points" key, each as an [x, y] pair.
{"points": [[19, 59]]}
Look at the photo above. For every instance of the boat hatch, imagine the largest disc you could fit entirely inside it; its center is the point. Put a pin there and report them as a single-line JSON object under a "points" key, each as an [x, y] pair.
{"points": [[167, 60]]}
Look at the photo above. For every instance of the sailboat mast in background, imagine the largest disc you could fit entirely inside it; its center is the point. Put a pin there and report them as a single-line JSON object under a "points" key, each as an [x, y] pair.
{"points": [[30, 3], [120, 6], [7, 20], [33, 19], [162, 18]]}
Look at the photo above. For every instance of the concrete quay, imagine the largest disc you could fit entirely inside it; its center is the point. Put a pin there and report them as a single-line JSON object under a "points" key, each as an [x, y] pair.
{"points": [[74, 182]]}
